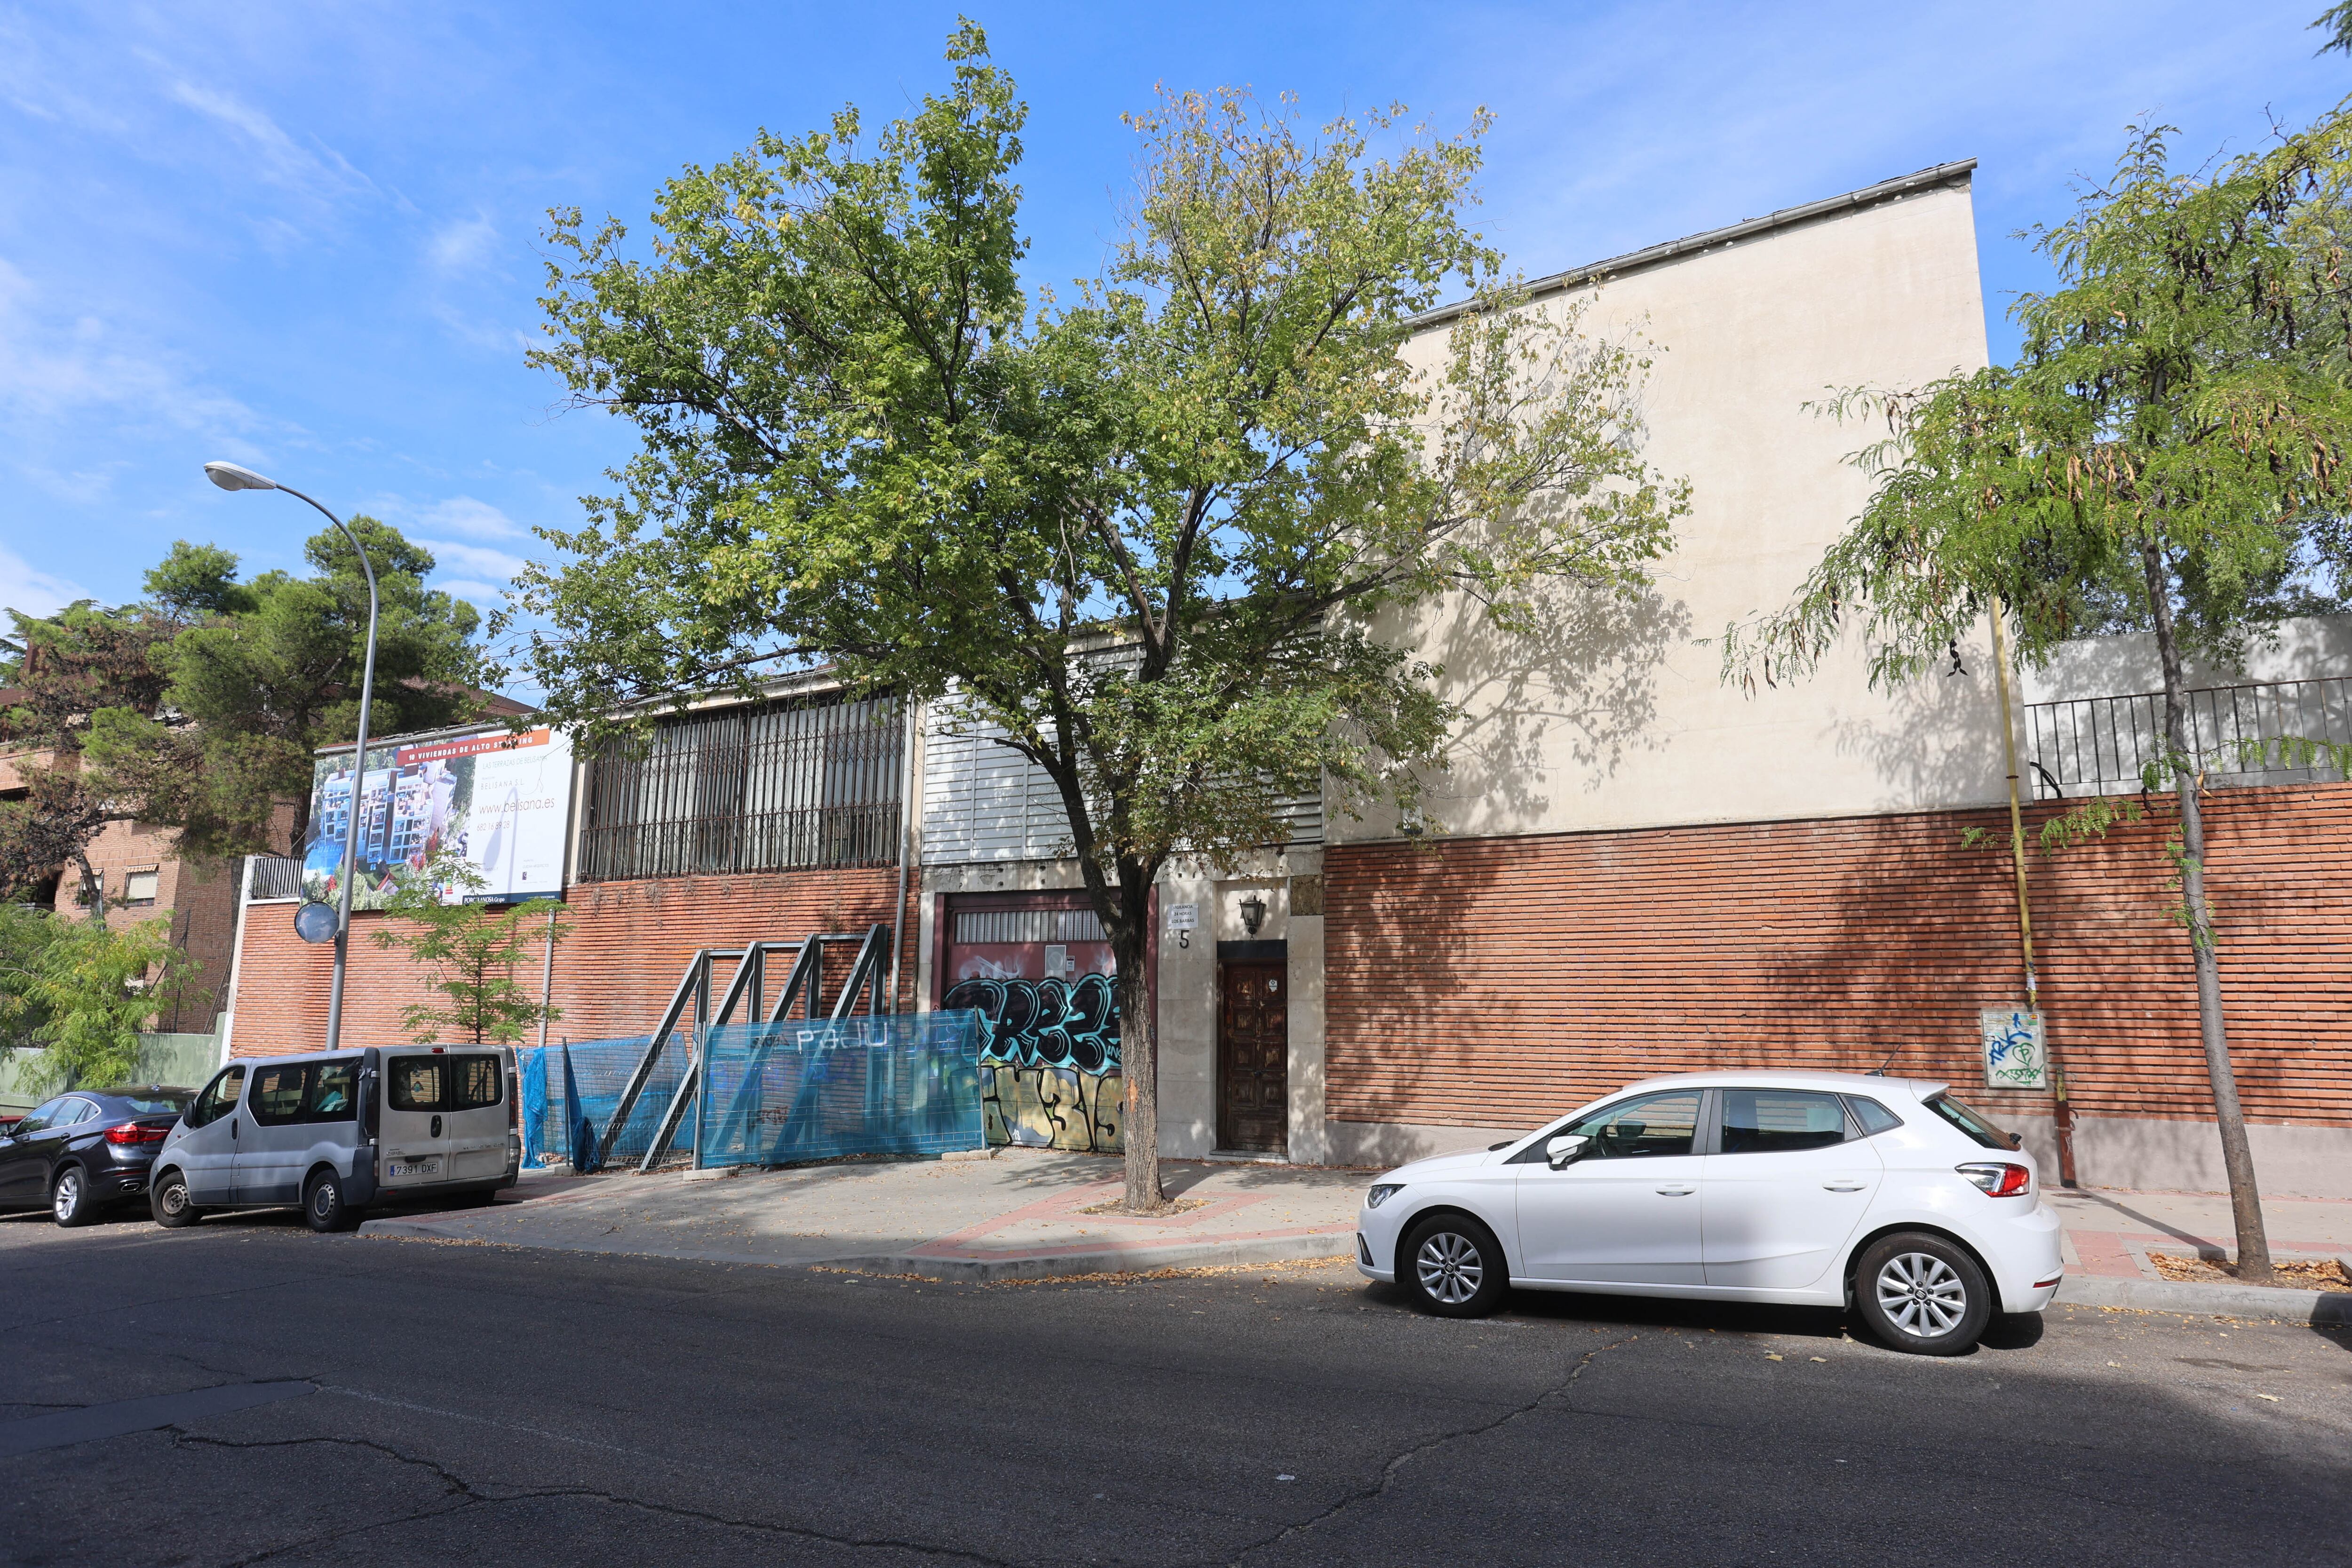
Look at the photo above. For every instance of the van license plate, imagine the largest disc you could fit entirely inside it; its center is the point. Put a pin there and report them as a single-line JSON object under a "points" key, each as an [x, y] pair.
{"points": [[418, 1168]]}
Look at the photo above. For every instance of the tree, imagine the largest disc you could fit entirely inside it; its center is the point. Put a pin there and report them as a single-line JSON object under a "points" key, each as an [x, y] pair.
{"points": [[73, 673], [471, 950], [267, 671], [80, 992], [1144, 538], [2166, 452]]}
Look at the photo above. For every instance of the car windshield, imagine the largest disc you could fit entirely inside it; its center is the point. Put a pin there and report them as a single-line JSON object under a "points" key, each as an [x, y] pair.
{"points": [[1971, 1123], [149, 1101]]}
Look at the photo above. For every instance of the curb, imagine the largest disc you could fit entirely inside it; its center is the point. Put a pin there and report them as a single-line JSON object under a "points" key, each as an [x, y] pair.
{"points": [[2229, 1300], [982, 1269]]}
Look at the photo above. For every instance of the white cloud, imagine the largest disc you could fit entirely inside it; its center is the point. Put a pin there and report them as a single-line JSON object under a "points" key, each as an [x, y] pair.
{"points": [[487, 572], [483, 595], [461, 245], [35, 591], [282, 160], [474, 518], [52, 368]]}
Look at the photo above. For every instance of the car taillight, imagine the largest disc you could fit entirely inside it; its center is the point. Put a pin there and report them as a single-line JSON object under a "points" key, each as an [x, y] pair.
{"points": [[132, 1133], [1999, 1180]]}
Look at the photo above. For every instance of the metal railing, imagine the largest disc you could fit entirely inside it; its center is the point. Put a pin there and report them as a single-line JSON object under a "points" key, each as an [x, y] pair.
{"points": [[2272, 733], [776, 787]]}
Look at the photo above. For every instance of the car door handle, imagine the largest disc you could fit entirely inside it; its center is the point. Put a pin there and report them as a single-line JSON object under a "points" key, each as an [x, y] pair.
{"points": [[1677, 1192], [1844, 1185]]}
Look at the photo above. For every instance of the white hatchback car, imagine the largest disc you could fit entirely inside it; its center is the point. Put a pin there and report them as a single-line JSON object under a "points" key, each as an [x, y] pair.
{"points": [[1817, 1189]]}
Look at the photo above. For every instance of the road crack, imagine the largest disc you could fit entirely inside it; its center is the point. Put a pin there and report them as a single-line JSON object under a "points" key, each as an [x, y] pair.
{"points": [[1378, 1488], [469, 1497]]}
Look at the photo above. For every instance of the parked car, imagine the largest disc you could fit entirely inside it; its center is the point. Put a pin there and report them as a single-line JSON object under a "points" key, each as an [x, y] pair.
{"points": [[87, 1151], [339, 1132], [1887, 1195]]}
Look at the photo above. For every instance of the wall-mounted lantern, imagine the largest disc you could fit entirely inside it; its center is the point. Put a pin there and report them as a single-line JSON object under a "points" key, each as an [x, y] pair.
{"points": [[1253, 913]]}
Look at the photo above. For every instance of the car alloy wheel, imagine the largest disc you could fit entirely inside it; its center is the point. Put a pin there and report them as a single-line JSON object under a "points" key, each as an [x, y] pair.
{"points": [[65, 1201], [1921, 1296], [1450, 1268]]}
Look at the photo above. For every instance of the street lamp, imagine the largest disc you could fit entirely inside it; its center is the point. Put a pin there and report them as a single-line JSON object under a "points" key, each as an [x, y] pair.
{"points": [[233, 477]]}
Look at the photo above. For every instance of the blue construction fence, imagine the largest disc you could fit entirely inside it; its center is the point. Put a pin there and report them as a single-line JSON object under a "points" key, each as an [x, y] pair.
{"points": [[773, 1094]]}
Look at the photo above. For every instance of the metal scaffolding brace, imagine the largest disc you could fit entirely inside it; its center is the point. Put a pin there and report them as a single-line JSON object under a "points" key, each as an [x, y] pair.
{"points": [[804, 982]]}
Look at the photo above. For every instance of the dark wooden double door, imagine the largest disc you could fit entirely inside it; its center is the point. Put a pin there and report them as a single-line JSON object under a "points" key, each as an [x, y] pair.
{"points": [[1254, 1056]]}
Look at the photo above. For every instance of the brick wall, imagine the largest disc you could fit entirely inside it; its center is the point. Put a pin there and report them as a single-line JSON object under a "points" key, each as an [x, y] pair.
{"points": [[616, 971], [1491, 982]]}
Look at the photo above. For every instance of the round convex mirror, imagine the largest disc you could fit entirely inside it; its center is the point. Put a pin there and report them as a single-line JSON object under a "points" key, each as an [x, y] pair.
{"points": [[315, 922]]}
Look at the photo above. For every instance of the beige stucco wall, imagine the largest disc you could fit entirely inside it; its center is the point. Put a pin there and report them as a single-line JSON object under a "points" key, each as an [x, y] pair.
{"points": [[1619, 718]]}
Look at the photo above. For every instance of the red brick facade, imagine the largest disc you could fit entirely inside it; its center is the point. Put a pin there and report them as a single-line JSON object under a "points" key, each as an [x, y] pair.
{"points": [[1490, 982], [629, 943]]}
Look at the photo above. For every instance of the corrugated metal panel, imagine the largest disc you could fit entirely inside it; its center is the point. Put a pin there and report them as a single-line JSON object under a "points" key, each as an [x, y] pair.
{"points": [[1494, 981], [984, 801]]}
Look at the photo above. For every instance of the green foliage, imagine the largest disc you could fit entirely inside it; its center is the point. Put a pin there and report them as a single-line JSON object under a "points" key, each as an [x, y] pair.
{"points": [[2169, 443], [81, 992], [471, 951], [267, 684], [1145, 534], [2336, 23]]}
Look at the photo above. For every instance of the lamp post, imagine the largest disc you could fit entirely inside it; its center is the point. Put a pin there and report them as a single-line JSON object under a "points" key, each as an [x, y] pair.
{"points": [[233, 477]]}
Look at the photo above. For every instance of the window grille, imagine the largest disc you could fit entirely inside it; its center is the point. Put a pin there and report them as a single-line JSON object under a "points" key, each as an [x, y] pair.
{"points": [[1028, 925], [773, 787]]}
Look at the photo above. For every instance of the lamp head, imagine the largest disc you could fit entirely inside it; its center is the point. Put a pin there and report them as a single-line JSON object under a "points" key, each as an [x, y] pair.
{"points": [[236, 476]]}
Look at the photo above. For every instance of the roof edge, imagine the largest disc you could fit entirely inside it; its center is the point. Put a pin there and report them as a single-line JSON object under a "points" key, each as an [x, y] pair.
{"points": [[1640, 260]]}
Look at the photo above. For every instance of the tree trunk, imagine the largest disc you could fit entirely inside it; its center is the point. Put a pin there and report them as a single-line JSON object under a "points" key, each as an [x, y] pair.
{"points": [[93, 887], [2237, 1157], [1139, 1043]]}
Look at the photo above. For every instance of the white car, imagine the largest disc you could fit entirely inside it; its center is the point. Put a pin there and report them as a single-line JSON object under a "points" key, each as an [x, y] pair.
{"points": [[1818, 1189]]}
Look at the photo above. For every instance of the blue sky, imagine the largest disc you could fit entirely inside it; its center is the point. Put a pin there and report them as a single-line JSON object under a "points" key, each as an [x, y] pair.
{"points": [[305, 237]]}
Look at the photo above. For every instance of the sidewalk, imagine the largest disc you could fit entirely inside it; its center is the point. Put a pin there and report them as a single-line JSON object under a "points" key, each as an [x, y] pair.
{"points": [[1021, 1213], [1018, 1213]]}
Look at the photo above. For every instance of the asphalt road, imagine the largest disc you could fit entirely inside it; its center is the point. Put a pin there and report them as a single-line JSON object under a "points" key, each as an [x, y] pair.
{"points": [[247, 1393]]}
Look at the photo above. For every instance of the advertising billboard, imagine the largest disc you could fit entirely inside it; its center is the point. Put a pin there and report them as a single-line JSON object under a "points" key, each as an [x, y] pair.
{"points": [[496, 800]]}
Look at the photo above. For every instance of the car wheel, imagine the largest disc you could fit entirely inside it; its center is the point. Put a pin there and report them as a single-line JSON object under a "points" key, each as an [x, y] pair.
{"points": [[167, 1200], [1920, 1294], [69, 1199], [1453, 1267], [322, 1204]]}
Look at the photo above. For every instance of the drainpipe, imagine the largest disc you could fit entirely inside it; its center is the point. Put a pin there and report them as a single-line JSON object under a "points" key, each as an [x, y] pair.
{"points": [[547, 981], [910, 797], [2062, 1114]]}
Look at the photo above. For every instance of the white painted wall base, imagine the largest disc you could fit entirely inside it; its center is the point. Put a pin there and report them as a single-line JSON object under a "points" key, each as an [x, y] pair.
{"points": [[2186, 1156]]}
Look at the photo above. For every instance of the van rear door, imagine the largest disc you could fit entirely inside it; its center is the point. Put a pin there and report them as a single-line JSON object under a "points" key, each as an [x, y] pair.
{"points": [[413, 1131], [477, 1115]]}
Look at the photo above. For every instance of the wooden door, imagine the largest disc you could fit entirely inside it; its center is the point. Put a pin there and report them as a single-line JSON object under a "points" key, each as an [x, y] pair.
{"points": [[1254, 1057]]}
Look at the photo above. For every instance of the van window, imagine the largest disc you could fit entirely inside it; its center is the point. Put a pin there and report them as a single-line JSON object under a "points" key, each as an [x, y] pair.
{"points": [[334, 1092], [219, 1096], [414, 1083], [278, 1093], [479, 1082]]}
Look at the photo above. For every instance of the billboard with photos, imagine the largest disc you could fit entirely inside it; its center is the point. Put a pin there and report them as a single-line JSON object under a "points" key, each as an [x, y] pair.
{"points": [[500, 800]]}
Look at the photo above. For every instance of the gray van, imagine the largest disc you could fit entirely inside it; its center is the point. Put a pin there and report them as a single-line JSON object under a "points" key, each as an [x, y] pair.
{"points": [[338, 1131]]}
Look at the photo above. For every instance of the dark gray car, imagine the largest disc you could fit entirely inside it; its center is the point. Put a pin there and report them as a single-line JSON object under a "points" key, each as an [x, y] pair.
{"points": [[87, 1150]]}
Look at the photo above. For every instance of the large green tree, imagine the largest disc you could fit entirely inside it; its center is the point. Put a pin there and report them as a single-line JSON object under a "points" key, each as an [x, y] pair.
{"points": [[199, 708], [1142, 535], [2167, 452]]}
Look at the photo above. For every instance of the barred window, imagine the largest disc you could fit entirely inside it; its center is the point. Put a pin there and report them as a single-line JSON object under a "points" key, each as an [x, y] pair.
{"points": [[773, 787]]}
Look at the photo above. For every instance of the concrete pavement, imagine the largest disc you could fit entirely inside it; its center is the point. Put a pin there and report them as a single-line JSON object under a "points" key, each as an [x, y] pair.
{"points": [[1020, 1213], [1024, 1213]]}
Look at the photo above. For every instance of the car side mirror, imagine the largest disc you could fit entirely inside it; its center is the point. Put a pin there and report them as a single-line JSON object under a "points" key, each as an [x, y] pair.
{"points": [[1566, 1149]]}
